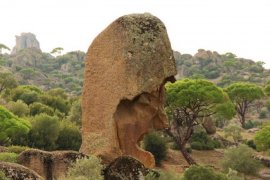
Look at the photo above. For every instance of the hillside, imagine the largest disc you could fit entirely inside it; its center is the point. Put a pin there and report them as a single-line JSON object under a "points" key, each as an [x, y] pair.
{"points": [[221, 69]]}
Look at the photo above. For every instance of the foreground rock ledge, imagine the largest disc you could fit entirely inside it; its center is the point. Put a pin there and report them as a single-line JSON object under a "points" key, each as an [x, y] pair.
{"points": [[18, 172], [50, 165], [126, 68]]}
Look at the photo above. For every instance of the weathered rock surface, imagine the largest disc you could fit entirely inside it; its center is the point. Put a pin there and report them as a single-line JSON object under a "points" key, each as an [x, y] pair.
{"points": [[125, 168], [24, 41], [264, 159], [50, 165], [18, 172], [125, 71]]}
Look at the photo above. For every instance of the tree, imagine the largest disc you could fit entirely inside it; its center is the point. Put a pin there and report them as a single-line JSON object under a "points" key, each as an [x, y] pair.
{"points": [[69, 136], [57, 51], [13, 130], [44, 132], [19, 108], [189, 101], [75, 113], [262, 139], [243, 95], [7, 81], [2, 46]]}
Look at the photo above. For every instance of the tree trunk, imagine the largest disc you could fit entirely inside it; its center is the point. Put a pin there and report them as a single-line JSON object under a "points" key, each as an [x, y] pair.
{"points": [[186, 155], [242, 120]]}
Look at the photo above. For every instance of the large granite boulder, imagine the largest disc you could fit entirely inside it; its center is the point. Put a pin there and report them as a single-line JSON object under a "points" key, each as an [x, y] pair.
{"points": [[125, 168], [126, 68], [50, 165], [25, 41], [18, 172]]}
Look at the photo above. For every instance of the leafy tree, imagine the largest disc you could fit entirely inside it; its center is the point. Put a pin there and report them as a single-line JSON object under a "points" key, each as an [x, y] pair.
{"points": [[19, 108], [28, 94], [7, 81], [13, 130], [57, 103], [243, 95], [189, 101], [58, 92], [57, 51], [38, 108], [2, 46], [69, 137], [241, 159], [156, 145], [75, 113], [44, 132], [262, 139]]}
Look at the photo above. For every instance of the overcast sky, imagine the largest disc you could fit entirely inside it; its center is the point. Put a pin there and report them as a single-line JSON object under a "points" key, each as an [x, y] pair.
{"points": [[238, 26]]}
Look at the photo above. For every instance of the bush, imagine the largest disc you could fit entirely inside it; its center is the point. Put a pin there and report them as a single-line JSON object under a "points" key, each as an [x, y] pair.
{"points": [[156, 145], [262, 139], [201, 141], [69, 137], [195, 172], [234, 175], [44, 132], [8, 157], [263, 114], [241, 159], [89, 169], [161, 175], [38, 108], [250, 144], [13, 130], [234, 131], [19, 108], [17, 149], [251, 124]]}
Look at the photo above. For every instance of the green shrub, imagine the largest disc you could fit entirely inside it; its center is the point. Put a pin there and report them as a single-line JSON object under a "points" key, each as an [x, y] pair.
{"points": [[13, 130], [17, 149], [234, 175], [240, 159], [162, 175], [263, 113], [201, 141], [89, 169], [189, 149], [38, 108], [202, 173], [251, 124], [44, 132], [19, 108], [234, 131], [69, 137], [8, 157], [156, 145], [262, 139], [250, 143], [268, 105]]}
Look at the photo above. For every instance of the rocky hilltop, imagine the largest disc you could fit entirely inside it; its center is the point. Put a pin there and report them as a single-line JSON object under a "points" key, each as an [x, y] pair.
{"points": [[24, 41]]}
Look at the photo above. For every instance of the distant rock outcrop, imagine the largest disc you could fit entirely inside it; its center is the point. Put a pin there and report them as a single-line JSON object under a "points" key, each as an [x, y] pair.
{"points": [[25, 41], [126, 68], [18, 172], [50, 165]]}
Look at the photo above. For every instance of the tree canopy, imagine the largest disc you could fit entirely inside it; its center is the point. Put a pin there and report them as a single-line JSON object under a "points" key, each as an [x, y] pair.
{"points": [[243, 95]]}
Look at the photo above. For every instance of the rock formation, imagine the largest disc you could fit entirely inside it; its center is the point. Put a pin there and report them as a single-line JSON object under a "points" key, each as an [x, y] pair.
{"points": [[125, 167], [126, 68], [24, 41], [50, 165], [18, 172]]}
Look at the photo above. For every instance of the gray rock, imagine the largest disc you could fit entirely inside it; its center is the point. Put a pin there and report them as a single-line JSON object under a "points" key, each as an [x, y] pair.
{"points": [[24, 41]]}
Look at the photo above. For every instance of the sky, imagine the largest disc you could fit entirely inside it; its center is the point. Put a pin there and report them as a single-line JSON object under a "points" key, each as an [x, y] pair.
{"points": [[238, 26]]}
